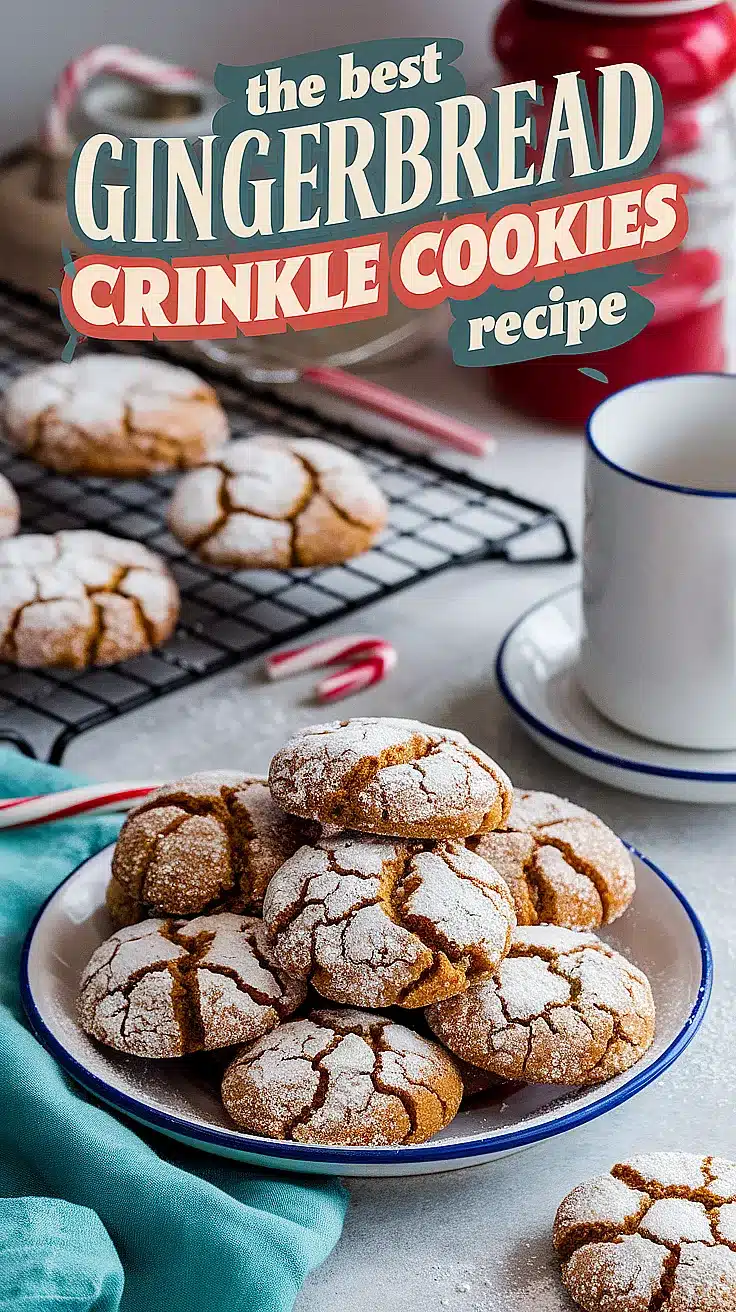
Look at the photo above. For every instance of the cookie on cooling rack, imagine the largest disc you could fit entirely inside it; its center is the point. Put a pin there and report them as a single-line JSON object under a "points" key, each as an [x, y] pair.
{"points": [[343, 1077], [111, 415], [273, 502], [208, 841], [563, 1008], [390, 776], [562, 864], [659, 1231], [80, 598], [9, 508], [164, 988], [377, 922]]}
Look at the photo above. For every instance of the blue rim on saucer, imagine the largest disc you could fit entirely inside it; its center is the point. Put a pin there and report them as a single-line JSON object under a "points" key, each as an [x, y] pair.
{"points": [[438, 1152], [574, 744]]}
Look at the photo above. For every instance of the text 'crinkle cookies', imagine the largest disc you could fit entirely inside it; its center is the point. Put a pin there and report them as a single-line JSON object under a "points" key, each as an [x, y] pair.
{"points": [[114, 415], [343, 1077], [9, 508], [165, 988], [81, 598], [209, 841], [390, 776], [562, 864], [378, 923], [563, 1008], [274, 502], [658, 1234]]}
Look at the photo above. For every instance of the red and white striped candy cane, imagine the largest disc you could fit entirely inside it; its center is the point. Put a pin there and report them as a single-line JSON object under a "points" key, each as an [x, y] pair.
{"points": [[133, 65], [369, 659], [16, 812]]}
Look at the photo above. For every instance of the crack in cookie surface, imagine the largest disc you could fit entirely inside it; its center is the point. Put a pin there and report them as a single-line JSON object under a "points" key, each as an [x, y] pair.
{"points": [[164, 988], [651, 1236], [562, 1008], [210, 841], [563, 865], [379, 922], [343, 1077], [390, 776]]}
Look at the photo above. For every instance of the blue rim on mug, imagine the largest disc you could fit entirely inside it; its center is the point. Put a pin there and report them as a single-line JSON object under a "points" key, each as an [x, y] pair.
{"points": [[574, 744], [641, 478], [259, 1147]]}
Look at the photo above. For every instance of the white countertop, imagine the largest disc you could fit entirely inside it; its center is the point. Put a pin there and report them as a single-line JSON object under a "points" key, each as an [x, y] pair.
{"points": [[475, 1240]]}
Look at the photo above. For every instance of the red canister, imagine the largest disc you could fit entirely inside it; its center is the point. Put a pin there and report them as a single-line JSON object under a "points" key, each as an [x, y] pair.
{"points": [[689, 46]]}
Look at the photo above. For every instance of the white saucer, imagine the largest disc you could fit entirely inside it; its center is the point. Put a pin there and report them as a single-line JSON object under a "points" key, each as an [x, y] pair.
{"points": [[535, 668], [661, 934]]}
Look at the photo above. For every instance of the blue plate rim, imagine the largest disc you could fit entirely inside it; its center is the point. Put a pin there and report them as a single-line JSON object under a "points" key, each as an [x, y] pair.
{"points": [[274, 1148], [574, 745]]}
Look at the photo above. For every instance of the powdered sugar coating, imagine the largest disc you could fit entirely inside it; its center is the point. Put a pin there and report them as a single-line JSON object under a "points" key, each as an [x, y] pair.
{"points": [[110, 414], [390, 776], [377, 923], [651, 1235], [343, 1077], [80, 598], [9, 508], [164, 988], [562, 864], [208, 841], [563, 1008], [272, 502]]}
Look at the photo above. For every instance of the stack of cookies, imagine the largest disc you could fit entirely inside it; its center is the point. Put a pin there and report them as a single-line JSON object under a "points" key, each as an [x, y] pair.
{"points": [[381, 926]]}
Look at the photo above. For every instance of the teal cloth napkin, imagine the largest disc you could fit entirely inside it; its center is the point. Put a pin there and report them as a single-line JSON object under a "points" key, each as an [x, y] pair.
{"points": [[95, 1216]]}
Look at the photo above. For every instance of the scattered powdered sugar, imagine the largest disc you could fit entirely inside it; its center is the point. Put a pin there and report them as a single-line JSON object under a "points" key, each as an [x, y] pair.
{"points": [[9, 508]]}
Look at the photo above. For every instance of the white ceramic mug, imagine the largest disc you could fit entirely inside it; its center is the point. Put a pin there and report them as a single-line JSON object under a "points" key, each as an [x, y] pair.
{"points": [[659, 591]]}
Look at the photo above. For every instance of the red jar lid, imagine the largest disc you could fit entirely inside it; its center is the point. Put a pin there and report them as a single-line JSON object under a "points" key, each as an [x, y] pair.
{"points": [[633, 8]]}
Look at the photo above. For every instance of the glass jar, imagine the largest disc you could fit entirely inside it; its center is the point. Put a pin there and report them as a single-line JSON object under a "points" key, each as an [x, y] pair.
{"points": [[690, 48]]}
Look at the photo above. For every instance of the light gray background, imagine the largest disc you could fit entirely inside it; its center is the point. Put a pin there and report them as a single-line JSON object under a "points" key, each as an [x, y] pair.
{"points": [[40, 36], [475, 1240]]}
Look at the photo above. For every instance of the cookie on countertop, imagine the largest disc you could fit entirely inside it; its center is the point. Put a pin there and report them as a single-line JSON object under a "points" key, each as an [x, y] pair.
{"points": [[377, 922], [343, 1077], [659, 1231], [114, 415], [273, 502], [563, 1008], [562, 864], [390, 776], [207, 841], [9, 508], [164, 988], [80, 598]]}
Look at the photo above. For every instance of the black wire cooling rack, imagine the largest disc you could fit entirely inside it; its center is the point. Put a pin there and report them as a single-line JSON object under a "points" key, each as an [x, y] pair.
{"points": [[439, 517]]}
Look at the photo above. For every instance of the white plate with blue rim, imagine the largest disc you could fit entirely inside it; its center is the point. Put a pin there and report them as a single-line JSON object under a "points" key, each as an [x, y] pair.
{"points": [[661, 933], [536, 672]]}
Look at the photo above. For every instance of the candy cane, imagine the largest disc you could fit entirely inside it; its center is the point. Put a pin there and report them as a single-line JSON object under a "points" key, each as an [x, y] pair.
{"points": [[16, 812], [369, 659], [130, 64]]}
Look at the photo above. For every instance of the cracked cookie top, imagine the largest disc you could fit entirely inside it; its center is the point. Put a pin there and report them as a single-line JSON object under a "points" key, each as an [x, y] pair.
{"points": [[658, 1234], [390, 776], [9, 508], [208, 841], [563, 1008], [114, 415], [379, 922], [80, 598], [345, 1078], [166, 987], [562, 864], [273, 502]]}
